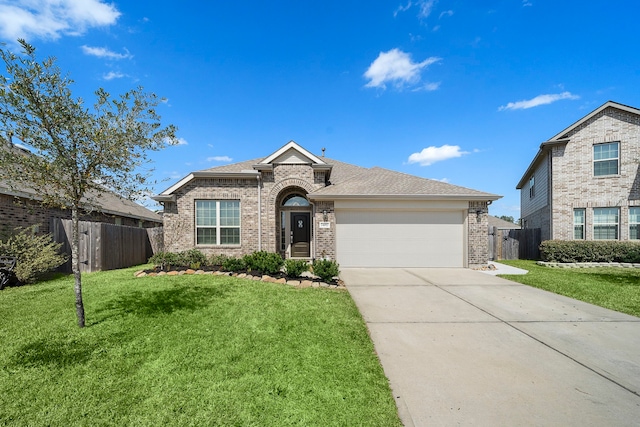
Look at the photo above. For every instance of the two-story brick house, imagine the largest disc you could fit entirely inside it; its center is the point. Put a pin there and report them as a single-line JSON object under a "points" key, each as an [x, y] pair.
{"points": [[584, 183], [306, 206]]}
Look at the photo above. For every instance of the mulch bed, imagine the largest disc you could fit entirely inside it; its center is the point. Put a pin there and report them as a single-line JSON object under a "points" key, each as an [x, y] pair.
{"points": [[300, 282]]}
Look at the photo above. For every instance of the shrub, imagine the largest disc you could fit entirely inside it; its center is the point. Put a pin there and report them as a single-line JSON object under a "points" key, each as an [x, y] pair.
{"points": [[325, 269], [36, 254], [192, 258], [264, 262], [217, 260], [233, 264], [165, 260], [589, 251], [295, 267]]}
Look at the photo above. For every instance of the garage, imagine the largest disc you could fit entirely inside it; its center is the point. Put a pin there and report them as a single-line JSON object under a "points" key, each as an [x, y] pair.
{"points": [[394, 238]]}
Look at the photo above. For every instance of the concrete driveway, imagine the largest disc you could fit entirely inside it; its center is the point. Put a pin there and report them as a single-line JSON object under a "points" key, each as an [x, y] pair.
{"points": [[465, 348]]}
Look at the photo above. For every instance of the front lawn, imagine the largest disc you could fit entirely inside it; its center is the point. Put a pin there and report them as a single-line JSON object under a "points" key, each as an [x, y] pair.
{"points": [[614, 288], [187, 350]]}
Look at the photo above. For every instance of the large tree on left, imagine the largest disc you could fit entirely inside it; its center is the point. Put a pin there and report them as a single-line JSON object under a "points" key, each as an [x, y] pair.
{"points": [[77, 153]]}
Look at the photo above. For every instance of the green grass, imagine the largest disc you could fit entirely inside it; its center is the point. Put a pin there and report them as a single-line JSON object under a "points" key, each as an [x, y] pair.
{"points": [[187, 351], [614, 288]]}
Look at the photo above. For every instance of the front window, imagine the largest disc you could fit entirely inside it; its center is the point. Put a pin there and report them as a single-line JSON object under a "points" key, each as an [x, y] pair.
{"points": [[578, 224], [605, 159], [605, 223], [217, 222], [634, 223]]}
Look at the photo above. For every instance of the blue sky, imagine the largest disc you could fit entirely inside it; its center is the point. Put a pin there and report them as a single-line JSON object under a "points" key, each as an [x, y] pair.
{"points": [[462, 91]]}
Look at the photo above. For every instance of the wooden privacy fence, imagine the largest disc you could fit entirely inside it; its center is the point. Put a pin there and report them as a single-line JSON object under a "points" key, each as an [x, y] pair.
{"points": [[107, 246], [514, 243]]}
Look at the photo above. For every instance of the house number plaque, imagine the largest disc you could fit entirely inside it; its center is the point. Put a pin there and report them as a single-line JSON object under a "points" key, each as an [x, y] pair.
{"points": [[325, 224]]}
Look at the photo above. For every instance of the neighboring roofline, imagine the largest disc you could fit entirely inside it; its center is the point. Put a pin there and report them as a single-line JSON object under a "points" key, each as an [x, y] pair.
{"points": [[287, 146], [544, 147], [35, 197], [475, 197], [592, 114], [247, 174], [560, 138]]}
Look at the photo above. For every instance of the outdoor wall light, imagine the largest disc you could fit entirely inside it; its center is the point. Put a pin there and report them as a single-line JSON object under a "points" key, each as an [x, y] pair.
{"points": [[324, 215]]}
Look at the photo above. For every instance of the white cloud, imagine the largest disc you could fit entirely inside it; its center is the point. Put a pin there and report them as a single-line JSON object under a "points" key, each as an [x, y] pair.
{"points": [[537, 101], [402, 8], [113, 75], [445, 180], [425, 8], [430, 155], [395, 66], [429, 87], [178, 141], [219, 159], [446, 13], [526, 3], [49, 19], [102, 52]]}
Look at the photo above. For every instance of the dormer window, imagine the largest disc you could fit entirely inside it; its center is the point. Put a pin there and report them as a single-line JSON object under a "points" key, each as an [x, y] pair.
{"points": [[606, 158]]}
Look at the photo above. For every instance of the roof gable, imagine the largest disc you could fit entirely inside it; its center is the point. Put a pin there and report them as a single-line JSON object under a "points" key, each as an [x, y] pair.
{"points": [[609, 104], [292, 153], [563, 136]]}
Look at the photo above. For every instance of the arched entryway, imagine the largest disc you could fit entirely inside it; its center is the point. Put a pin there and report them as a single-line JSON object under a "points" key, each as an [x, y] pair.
{"points": [[294, 223]]}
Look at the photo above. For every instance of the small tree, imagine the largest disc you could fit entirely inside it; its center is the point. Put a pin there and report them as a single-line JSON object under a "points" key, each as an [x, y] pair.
{"points": [[77, 153], [507, 218]]}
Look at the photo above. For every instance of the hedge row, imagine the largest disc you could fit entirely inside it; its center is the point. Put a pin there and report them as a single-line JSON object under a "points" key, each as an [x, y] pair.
{"points": [[589, 251]]}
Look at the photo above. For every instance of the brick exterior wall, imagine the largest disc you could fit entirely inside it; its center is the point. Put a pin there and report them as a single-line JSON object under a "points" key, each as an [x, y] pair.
{"points": [[284, 180], [477, 234], [575, 185], [21, 212]]}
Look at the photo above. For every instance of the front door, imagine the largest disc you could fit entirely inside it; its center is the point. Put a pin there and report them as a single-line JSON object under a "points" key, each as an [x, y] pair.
{"points": [[300, 235]]}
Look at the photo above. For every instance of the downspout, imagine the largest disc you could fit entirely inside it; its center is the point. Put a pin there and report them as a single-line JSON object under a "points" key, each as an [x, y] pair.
{"points": [[259, 213]]}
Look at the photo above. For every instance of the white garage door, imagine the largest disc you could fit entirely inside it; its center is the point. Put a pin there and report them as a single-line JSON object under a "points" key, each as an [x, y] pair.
{"points": [[399, 239]]}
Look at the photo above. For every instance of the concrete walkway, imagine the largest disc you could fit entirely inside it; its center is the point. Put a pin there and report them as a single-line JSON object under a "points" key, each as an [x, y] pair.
{"points": [[464, 348]]}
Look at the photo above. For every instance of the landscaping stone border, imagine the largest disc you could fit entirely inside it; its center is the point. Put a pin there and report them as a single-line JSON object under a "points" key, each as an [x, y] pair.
{"points": [[301, 283], [588, 264]]}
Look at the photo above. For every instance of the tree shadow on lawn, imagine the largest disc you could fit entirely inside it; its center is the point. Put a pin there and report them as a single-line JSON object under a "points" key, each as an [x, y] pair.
{"points": [[57, 353], [161, 302], [617, 279]]}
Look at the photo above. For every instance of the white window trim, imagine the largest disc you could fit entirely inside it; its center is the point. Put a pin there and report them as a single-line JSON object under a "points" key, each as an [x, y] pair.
{"points": [[583, 225], [617, 224], [617, 159], [217, 227], [633, 223]]}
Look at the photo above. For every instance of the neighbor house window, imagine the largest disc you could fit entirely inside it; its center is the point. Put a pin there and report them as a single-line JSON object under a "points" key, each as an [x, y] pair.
{"points": [[217, 222], [605, 223], [634, 223], [605, 159], [578, 224], [532, 187]]}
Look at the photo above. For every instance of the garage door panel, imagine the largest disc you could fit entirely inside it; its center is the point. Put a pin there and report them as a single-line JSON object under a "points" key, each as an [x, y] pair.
{"points": [[399, 239]]}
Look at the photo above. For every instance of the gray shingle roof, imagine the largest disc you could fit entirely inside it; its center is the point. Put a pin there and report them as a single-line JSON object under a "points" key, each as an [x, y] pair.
{"points": [[384, 182], [350, 180], [107, 202], [501, 223]]}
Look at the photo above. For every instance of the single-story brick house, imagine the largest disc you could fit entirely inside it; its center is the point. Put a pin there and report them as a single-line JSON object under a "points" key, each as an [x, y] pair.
{"points": [[23, 208], [306, 206]]}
